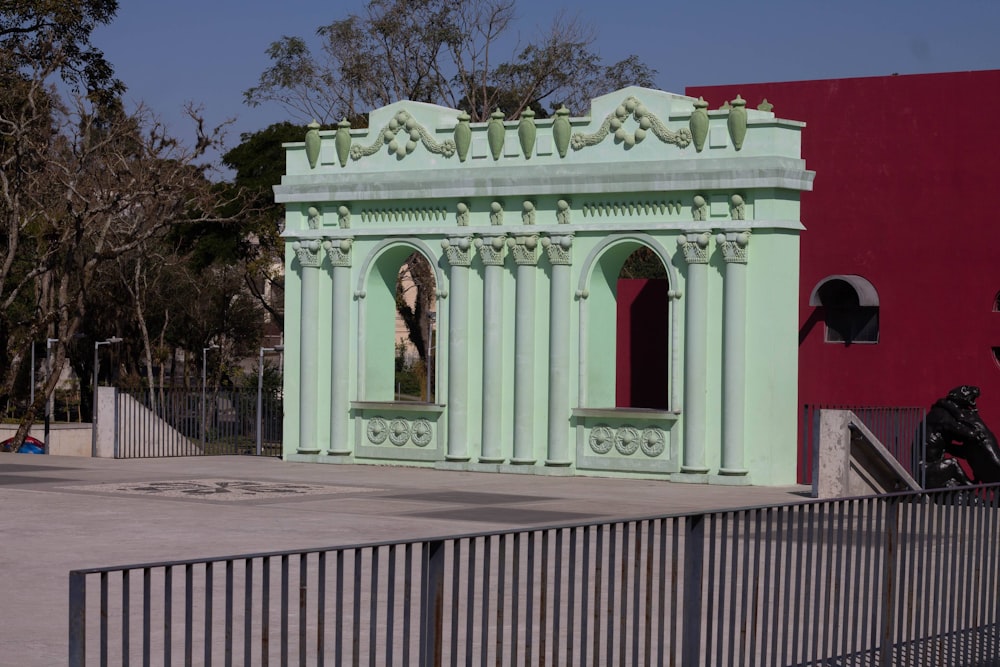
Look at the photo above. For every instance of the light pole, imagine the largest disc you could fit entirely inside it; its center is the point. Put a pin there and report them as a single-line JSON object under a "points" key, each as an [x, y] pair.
{"points": [[260, 393], [48, 376], [431, 316], [97, 368], [204, 373]]}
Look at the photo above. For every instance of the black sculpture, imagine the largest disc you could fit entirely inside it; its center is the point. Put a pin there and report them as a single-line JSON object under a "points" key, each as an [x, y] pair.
{"points": [[954, 427]]}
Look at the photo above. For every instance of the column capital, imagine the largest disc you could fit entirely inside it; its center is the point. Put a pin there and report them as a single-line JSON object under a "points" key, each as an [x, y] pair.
{"points": [[310, 253], [695, 246], [339, 251], [457, 250], [734, 246], [558, 247], [524, 249], [491, 248]]}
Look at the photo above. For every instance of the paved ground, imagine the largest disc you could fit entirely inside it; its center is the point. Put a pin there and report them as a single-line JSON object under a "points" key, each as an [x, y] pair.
{"points": [[63, 513]]}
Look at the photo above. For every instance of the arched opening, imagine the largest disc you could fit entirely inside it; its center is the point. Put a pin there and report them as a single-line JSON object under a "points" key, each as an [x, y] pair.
{"points": [[642, 354], [416, 319], [850, 309], [399, 333]]}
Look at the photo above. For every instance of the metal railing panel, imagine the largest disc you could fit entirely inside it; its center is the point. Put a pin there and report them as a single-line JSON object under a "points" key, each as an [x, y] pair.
{"points": [[898, 579]]}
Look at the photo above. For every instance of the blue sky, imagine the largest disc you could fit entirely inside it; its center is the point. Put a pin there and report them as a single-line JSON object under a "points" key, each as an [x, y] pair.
{"points": [[209, 52]]}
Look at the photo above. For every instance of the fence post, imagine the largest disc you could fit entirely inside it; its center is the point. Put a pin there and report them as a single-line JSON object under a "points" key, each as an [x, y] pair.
{"points": [[431, 603], [694, 566], [77, 619], [889, 580]]}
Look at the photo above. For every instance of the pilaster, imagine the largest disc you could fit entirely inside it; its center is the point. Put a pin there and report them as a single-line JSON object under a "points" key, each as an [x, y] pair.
{"points": [[694, 246], [339, 253], [310, 256], [558, 248], [525, 252], [734, 248], [492, 250], [458, 253]]}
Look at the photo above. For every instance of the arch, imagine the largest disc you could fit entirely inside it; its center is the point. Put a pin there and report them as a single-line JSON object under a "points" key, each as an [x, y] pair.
{"points": [[597, 291], [376, 292], [866, 293], [850, 309]]}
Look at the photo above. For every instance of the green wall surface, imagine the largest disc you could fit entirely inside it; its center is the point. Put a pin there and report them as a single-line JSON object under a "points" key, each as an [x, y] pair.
{"points": [[527, 224]]}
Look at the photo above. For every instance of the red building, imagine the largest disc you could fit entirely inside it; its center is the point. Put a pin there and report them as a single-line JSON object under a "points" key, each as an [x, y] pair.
{"points": [[900, 274]]}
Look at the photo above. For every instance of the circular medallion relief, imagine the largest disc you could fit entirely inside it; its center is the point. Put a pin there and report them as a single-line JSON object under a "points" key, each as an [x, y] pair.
{"points": [[601, 438], [378, 430]]}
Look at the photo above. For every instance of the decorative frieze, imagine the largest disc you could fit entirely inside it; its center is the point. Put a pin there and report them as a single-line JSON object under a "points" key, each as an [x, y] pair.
{"points": [[627, 440], [399, 431], [615, 123], [618, 208], [694, 247], [410, 214], [401, 146], [457, 250], [558, 248]]}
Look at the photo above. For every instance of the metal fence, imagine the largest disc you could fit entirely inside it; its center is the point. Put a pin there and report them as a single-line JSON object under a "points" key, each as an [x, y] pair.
{"points": [[183, 422], [902, 431], [908, 578]]}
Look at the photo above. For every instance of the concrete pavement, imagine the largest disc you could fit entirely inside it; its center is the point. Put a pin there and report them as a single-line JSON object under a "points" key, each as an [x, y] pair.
{"points": [[64, 513]]}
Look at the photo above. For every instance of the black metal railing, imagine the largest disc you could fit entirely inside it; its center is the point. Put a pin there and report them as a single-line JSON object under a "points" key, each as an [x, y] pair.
{"points": [[183, 422], [900, 430], [908, 578]]}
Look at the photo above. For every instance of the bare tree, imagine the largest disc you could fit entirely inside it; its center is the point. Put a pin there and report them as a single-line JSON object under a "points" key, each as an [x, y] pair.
{"points": [[442, 52]]}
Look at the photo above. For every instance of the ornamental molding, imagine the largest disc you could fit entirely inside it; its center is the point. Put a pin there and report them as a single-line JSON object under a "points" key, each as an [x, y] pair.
{"points": [[617, 208], [563, 212], [399, 431], [615, 123], [524, 249], [314, 217], [558, 248], [458, 250], [339, 251], [734, 246], [627, 440], [344, 217], [491, 249], [699, 208], [414, 132], [462, 214], [528, 212], [310, 253], [695, 247], [409, 214], [496, 213], [738, 208]]}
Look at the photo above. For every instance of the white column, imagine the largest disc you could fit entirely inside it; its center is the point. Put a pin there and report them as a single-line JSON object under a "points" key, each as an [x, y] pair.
{"points": [[695, 248], [734, 326], [310, 256], [457, 250], [558, 250], [492, 251], [524, 250], [339, 252]]}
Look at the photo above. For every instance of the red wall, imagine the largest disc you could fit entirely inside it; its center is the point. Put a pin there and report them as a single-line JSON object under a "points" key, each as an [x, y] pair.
{"points": [[906, 195]]}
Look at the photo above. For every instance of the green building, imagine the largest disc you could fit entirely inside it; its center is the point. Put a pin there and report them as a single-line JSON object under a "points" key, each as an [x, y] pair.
{"points": [[526, 226]]}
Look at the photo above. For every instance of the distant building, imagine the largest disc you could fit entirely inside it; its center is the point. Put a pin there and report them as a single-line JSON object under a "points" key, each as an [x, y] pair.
{"points": [[899, 288]]}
